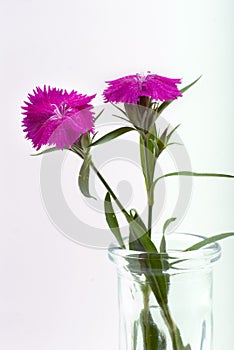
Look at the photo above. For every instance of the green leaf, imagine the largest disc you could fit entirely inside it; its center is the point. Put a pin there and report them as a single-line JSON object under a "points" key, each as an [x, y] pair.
{"points": [[163, 247], [137, 229], [209, 240], [191, 173], [190, 85], [120, 109], [153, 338], [174, 143], [84, 141], [167, 103], [112, 221], [118, 116], [139, 238], [161, 146], [163, 137], [172, 132], [167, 223], [99, 114], [48, 150], [134, 214], [112, 135], [184, 173], [83, 180], [150, 263], [155, 145]]}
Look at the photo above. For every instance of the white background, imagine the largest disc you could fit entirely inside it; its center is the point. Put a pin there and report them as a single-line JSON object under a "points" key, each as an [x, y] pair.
{"points": [[55, 294]]}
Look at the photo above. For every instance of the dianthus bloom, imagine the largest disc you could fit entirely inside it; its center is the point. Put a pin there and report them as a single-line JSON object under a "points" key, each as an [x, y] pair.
{"points": [[131, 88], [55, 117]]}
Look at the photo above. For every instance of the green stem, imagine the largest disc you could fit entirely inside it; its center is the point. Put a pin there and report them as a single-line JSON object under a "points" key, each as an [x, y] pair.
{"points": [[146, 294], [148, 175], [113, 195], [173, 330], [150, 212], [109, 189], [147, 162], [156, 285]]}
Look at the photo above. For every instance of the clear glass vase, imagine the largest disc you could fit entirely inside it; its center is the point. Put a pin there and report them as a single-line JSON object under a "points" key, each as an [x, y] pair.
{"points": [[165, 300]]}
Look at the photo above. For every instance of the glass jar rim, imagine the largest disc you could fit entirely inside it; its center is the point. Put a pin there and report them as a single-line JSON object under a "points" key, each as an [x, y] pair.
{"points": [[206, 255]]}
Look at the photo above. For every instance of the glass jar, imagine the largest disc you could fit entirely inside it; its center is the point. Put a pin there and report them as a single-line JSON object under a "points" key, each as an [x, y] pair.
{"points": [[165, 300]]}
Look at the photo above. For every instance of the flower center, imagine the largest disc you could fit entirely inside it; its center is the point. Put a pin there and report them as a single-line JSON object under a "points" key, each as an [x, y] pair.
{"points": [[61, 111], [141, 78]]}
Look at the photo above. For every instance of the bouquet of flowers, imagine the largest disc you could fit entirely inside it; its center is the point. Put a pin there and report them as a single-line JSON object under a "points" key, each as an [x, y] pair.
{"points": [[53, 117]]}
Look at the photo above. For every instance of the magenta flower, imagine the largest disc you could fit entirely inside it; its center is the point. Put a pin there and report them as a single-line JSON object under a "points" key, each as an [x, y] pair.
{"points": [[56, 117], [129, 89]]}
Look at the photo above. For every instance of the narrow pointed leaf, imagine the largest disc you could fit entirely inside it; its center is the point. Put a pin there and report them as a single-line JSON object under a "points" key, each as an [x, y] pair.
{"points": [[167, 223], [209, 240], [187, 347], [48, 150], [139, 238], [120, 109], [154, 143], [174, 143], [167, 103], [172, 132], [163, 247], [118, 116], [138, 219], [163, 137], [83, 180], [190, 85], [191, 173], [112, 221], [99, 114], [112, 135]]}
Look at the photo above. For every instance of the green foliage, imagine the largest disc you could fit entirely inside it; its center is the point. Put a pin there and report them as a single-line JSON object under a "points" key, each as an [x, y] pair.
{"points": [[166, 104], [48, 150], [112, 135], [119, 109], [83, 179], [98, 115], [191, 173], [167, 223], [154, 339], [148, 155], [112, 221], [141, 117], [209, 240], [163, 247]]}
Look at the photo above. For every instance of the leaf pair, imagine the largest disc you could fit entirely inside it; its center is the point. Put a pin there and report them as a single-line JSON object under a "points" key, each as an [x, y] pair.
{"points": [[163, 140]]}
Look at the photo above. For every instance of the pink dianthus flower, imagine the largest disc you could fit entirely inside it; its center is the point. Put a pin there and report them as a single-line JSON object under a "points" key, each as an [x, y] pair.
{"points": [[130, 88], [55, 117]]}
